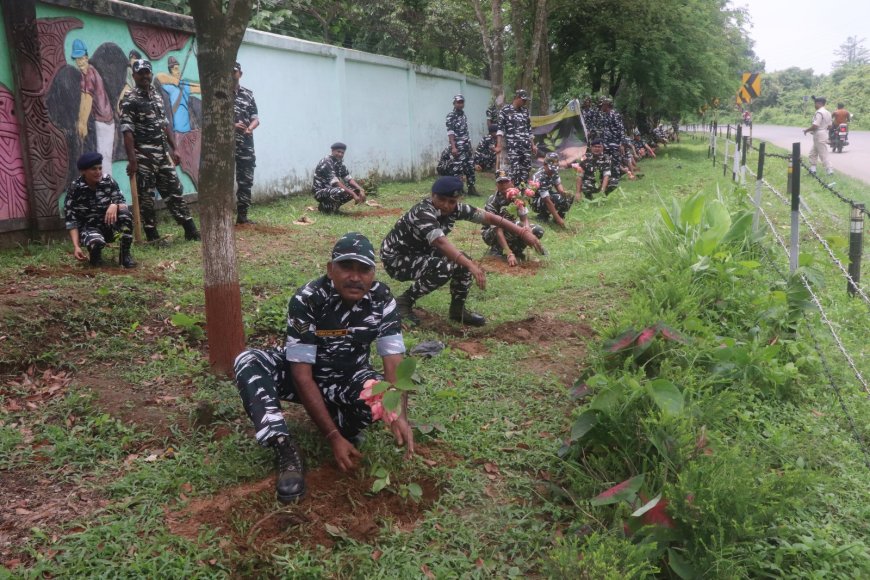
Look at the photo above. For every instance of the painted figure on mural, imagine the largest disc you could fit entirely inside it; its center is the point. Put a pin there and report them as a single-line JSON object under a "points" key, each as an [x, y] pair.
{"points": [[178, 91], [94, 101]]}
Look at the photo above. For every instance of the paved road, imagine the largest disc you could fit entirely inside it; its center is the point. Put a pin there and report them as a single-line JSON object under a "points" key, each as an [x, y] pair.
{"points": [[854, 161]]}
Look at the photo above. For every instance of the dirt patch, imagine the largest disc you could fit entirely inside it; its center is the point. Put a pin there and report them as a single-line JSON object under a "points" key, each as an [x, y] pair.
{"points": [[86, 271], [499, 265], [336, 505], [31, 500], [556, 346]]}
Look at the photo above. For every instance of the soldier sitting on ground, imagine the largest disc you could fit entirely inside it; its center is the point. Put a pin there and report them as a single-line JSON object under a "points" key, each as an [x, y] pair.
{"points": [[484, 155], [333, 184], [595, 162], [325, 365], [503, 242], [417, 249], [95, 211], [550, 199]]}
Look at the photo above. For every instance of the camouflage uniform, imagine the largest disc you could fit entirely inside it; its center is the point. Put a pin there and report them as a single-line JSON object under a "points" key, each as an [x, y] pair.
{"points": [[408, 254], [445, 163], [463, 163], [498, 204], [548, 184], [612, 132], [592, 120], [142, 114], [244, 111], [326, 176], [602, 165], [516, 126], [85, 209], [336, 340], [484, 155]]}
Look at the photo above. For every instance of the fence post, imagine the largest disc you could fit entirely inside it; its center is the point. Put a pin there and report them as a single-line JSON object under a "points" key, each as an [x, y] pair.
{"points": [[856, 248], [743, 160], [735, 163], [725, 160], [714, 128], [758, 183], [794, 172], [728, 132]]}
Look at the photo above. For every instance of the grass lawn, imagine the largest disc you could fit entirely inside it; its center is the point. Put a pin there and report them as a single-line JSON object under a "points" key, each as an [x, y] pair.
{"points": [[121, 455]]}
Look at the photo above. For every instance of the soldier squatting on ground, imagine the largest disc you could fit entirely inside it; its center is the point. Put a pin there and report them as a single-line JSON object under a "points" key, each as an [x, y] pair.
{"points": [[417, 249], [334, 186], [595, 161], [550, 199], [245, 121], [95, 211], [503, 242], [331, 324], [484, 155], [146, 136]]}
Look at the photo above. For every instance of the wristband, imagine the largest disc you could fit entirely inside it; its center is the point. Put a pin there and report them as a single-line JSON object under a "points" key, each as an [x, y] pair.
{"points": [[329, 435]]}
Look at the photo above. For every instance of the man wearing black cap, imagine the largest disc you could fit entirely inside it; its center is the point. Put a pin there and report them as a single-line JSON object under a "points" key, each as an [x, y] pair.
{"points": [[95, 210], [819, 129], [246, 120], [484, 155], [508, 203], [550, 199], [595, 161], [331, 324], [515, 134], [334, 186], [146, 140], [417, 249], [460, 143]]}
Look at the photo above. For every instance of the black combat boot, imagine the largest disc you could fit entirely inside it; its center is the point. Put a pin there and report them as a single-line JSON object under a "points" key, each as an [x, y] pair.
{"points": [[242, 216], [472, 190], [95, 254], [125, 259], [405, 305], [151, 234], [190, 232], [460, 314], [290, 468]]}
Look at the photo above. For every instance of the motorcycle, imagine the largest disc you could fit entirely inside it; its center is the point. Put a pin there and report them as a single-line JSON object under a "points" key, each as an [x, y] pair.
{"points": [[839, 137]]}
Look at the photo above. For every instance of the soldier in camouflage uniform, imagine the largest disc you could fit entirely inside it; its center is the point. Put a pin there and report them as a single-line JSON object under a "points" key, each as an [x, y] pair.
{"points": [[550, 199], [460, 143], [95, 211], [325, 365], [503, 242], [612, 127], [417, 249], [515, 135], [595, 161], [445, 163], [591, 118], [245, 121], [484, 155], [334, 186], [146, 136]]}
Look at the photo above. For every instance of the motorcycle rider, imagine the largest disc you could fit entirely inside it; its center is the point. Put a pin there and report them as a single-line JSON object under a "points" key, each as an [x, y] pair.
{"points": [[839, 117]]}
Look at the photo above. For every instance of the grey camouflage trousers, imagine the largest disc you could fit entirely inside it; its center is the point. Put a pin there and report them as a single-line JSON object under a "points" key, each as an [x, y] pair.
{"points": [[159, 177], [244, 180], [94, 237], [519, 155], [463, 163], [562, 202], [429, 273], [515, 243], [263, 379], [332, 198]]}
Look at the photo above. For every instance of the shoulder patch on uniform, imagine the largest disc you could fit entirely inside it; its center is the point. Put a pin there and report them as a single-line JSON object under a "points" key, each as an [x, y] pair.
{"points": [[300, 326]]}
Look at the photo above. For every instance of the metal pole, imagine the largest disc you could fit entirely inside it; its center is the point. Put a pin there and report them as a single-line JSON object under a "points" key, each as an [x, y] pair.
{"points": [[856, 248], [795, 174], [743, 161], [758, 183]]}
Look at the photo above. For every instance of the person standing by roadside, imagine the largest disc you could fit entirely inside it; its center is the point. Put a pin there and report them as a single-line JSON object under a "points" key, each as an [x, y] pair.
{"points": [[462, 160], [819, 129]]}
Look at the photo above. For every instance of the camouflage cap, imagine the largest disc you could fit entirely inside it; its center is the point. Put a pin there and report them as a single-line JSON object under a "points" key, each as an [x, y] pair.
{"points": [[141, 64], [354, 246], [502, 175], [552, 158], [237, 67], [458, 98], [521, 94]]}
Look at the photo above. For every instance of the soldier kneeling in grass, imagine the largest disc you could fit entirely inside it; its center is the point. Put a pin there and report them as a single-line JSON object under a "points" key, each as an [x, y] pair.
{"points": [[325, 365], [95, 211]]}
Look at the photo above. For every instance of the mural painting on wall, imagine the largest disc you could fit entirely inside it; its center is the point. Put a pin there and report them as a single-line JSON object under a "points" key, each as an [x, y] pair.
{"points": [[87, 85], [13, 187]]}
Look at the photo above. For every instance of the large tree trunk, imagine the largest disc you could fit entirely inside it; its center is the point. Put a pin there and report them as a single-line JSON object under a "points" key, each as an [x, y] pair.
{"points": [[493, 44], [537, 39], [219, 34], [546, 82]]}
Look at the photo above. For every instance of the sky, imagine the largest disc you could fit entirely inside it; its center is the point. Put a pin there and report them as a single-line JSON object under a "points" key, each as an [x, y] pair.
{"points": [[804, 33]]}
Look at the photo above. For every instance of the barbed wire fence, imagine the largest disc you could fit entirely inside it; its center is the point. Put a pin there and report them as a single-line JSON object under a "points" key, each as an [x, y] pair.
{"points": [[799, 215]]}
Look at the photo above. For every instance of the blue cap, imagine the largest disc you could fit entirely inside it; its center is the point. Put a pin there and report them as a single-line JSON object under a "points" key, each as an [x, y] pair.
{"points": [[339, 145], [448, 186], [88, 160], [79, 49]]}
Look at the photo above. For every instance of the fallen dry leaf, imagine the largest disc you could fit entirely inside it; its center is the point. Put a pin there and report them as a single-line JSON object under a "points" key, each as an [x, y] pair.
{"points": [[376, 555], [426, 571], [373, 203]]}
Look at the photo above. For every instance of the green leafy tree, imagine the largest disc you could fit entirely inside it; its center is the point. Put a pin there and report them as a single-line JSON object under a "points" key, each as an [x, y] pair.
{"points": [[852, 53]]}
